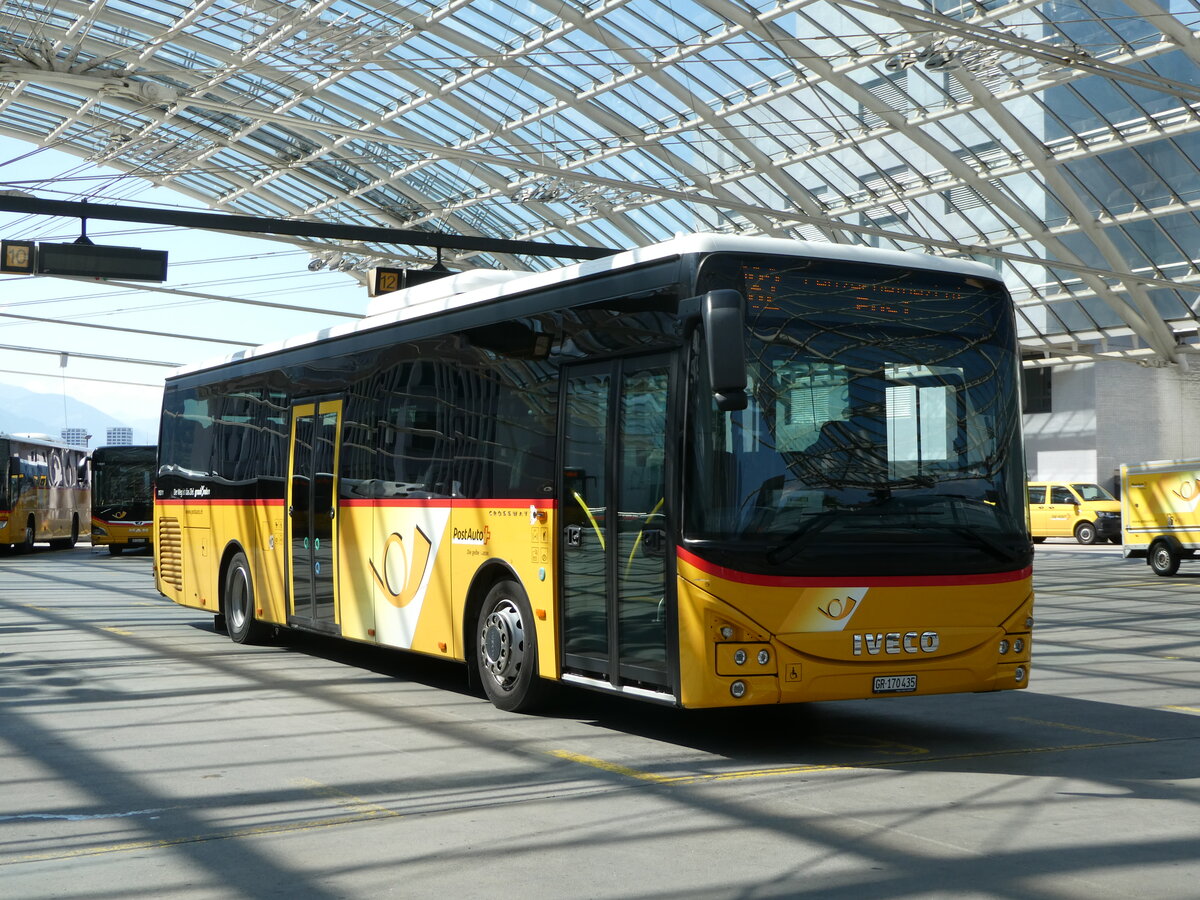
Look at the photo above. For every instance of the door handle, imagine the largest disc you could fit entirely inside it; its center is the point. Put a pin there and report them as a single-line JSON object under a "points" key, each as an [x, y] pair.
{"points": [[574, 536]]}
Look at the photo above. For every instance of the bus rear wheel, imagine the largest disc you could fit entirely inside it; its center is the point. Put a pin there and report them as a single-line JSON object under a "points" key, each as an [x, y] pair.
{"points": [[238, 603], [1163, 560], [68, 543], [26, 545], [506, 650]]}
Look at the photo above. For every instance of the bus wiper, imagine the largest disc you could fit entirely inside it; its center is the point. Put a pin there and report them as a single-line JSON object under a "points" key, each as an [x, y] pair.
{"points": [[984, 542], [790, 545]]}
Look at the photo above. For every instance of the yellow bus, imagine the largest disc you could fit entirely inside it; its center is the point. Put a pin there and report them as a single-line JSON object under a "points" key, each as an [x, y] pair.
{"points": [[122, 496], [716, 471], [44, 494]]}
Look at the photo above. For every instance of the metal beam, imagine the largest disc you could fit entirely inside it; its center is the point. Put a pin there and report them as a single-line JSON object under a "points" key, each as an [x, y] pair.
{"points": [[294, 228]]}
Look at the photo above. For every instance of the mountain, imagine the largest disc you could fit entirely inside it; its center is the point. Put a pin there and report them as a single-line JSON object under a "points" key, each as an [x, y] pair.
{"points": [[22, 410]]}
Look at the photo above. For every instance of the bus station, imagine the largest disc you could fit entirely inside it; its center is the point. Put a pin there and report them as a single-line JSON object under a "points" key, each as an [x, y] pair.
{"points": [[750, 443]]}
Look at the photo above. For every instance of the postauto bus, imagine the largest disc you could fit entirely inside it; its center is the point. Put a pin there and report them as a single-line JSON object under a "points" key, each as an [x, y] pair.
{"points": [[717, 471]]}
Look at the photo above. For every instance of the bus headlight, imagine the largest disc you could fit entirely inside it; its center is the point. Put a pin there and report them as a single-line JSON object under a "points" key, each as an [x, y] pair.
{"points": [[1003, 647], [740, 657], [1019, 675], [738, 689], [1018, 645]]}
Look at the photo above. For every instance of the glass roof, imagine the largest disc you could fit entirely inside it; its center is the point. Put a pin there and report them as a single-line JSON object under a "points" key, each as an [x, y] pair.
{"points": [[1058, 141]]}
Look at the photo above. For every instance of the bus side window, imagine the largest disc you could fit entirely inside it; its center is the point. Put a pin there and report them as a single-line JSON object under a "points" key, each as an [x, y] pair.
{"points": [[188, 427], [413, 429]]}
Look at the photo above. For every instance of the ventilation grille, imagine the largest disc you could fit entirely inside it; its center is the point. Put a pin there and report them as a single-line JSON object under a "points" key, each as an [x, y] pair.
{"points": [[170, 552]]}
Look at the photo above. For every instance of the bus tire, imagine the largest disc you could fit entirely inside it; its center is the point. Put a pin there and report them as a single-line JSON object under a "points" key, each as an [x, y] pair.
{"points": [[68, 542], [26, 544], [1085, 533], [237, 602], [114, 549], [506, 650], [1163, 559]]}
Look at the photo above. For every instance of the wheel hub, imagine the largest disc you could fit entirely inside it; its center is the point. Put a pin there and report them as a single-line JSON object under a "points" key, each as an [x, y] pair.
{"points": [[502, 641]]}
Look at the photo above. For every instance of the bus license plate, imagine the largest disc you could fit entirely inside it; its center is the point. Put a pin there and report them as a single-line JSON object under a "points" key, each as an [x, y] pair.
{"points": [[895, 684]]}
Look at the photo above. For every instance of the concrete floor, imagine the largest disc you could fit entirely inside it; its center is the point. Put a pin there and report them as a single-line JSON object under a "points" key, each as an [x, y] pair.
{"points": [[147, 756]]}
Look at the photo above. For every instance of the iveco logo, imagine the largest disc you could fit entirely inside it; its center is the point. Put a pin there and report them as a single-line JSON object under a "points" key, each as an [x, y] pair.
{"points": [[896, 643]]}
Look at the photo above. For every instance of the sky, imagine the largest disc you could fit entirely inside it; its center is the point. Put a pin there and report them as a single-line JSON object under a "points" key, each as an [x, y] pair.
{"points": [[129, 386]]}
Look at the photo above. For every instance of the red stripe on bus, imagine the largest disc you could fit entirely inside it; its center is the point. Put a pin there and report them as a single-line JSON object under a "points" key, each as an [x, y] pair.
{"points": [[382, 501], [206, 501], [851, 580]]}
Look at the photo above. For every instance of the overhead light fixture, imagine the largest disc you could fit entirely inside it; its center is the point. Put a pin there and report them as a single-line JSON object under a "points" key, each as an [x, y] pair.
{"points": [[316, 264], [942, 60]]}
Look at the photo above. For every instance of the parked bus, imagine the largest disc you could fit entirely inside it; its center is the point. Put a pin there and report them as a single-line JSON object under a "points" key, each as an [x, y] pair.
{"points": [[716, 471], [44, 493], [122, 496]]}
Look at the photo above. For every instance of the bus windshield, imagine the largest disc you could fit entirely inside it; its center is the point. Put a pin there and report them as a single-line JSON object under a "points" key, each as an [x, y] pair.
{"points": [[123, 476], [882, 432]]}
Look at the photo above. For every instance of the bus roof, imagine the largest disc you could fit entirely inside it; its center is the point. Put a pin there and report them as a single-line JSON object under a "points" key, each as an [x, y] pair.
{"points": [[41, 440], [480, 286]]}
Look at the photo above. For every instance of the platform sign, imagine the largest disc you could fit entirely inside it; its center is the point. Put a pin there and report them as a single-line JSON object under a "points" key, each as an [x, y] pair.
{"points": [[384, 280], [99, 261], [18, 257]]}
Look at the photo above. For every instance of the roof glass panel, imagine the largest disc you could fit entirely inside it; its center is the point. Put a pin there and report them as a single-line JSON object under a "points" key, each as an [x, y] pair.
{"points": [[1059, 131]]}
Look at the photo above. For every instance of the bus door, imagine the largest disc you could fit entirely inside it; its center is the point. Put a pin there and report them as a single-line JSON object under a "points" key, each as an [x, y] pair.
{"points": [[312, 513], [615, 605]]}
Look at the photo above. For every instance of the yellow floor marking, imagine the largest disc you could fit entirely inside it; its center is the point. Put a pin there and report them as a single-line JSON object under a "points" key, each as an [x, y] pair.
{"points": [[1184, 708], [1116, 734], [610, 767], [349, 801], [618, 769], [116, 630]]}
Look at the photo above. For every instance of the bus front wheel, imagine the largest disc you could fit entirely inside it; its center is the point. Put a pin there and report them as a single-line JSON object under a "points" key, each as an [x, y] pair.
{"points": [[506, 649], [238, 603], [1163, 560]]}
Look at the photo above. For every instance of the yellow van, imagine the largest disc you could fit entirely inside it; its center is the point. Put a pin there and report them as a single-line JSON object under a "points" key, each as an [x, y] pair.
{"points": [[1076, 509]]}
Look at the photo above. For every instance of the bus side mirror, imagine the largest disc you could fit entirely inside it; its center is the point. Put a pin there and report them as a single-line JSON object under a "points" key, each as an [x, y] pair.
{"points": [[722, 315]]}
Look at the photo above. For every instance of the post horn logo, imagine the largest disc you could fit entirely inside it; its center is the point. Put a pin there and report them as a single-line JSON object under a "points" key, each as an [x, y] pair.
{"points": [[838, 608], [402, 572], [1188, 489]]}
